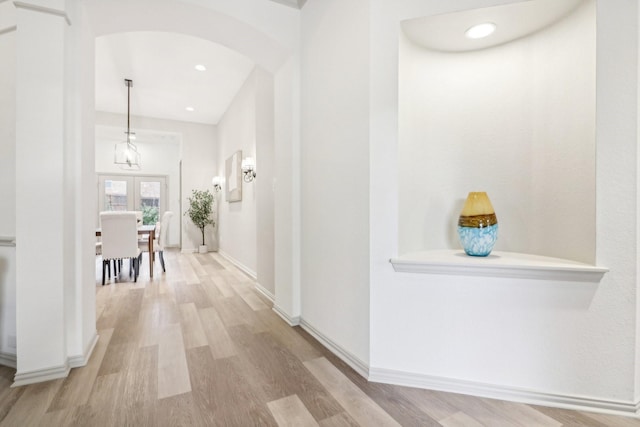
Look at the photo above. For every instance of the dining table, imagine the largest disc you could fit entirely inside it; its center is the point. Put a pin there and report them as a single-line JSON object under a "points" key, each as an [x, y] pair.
{"points": [[149, 230]]}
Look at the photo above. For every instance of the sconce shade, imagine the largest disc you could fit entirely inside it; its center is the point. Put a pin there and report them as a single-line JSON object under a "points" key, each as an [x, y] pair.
{"points": [[217, 183], [248, 169]]}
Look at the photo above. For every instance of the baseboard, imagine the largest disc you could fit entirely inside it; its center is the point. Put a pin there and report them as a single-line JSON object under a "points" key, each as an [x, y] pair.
{"points": [[358, 365], [8, 359], [40, 375], [264, 291], [291, 321], [82, 359], [493, 391], [249, 272]]}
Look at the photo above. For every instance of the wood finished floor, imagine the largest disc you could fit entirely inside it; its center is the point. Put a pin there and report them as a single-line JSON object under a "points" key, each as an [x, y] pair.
{"points": [[198, 346]]}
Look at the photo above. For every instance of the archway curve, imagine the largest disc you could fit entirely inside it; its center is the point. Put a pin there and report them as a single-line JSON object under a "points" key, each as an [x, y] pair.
{"points": [[178, 17]]}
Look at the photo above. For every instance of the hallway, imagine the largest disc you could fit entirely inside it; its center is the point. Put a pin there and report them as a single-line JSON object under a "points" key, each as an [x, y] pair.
{"points": [[198, 346]]}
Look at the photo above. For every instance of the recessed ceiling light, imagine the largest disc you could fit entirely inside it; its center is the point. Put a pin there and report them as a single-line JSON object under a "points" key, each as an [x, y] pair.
{"points": [[481, 30], [190, 109], [200, 67]]}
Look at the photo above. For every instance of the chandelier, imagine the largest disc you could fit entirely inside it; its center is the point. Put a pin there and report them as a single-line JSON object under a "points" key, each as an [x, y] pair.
{"points": [[126, 153]]}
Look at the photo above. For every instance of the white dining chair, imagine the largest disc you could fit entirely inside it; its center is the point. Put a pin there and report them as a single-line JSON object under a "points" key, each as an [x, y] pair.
{"points": [[161, 234], [119, 235]]}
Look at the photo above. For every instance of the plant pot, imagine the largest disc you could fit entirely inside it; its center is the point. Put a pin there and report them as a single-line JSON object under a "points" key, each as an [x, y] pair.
{"points": [[477, 225], [203, 249]]}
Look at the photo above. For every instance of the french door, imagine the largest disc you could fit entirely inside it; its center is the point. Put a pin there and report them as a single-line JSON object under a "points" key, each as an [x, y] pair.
{"points": [[147, 194]]}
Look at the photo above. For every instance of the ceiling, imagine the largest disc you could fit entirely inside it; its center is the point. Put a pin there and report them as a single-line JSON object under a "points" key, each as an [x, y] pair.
{"points": [[165, 81], [446, 32]]}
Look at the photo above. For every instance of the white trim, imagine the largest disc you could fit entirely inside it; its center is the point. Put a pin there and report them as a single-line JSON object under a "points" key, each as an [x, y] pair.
{"points": [[498, 264], [291, 321], [8, 29], [43, 9], [238, 264], [514, 394], [358, 365], [40, 375], [264, 291], [7, 241], [8, 359], [82, 359]]}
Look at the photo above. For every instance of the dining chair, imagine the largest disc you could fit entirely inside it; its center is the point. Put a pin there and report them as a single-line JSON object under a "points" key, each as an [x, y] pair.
{"points": [[161, 234], [119, 233]]}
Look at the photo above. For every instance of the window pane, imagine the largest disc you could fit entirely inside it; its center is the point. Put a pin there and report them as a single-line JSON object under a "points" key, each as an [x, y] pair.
{"points": [[115, 195], [150, 201]]}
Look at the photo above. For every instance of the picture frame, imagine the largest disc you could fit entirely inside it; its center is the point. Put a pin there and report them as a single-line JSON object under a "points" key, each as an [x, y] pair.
{"points": [[233, 175]]}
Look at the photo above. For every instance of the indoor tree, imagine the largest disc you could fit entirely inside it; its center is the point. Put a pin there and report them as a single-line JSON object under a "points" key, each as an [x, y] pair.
{"points": [[200, 209]]}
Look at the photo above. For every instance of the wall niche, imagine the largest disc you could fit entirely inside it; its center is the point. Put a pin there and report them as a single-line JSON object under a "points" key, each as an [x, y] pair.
{"points": [[513, 115]]}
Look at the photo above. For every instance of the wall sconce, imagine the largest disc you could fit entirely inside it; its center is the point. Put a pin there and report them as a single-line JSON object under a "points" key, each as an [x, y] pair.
{"points": [[217, 183], [249, 169]]}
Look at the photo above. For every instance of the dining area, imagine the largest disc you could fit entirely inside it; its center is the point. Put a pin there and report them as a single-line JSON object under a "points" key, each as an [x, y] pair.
{"points": [[122, 239]]}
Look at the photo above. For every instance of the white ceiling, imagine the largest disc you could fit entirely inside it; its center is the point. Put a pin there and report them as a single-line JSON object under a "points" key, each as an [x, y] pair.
{"points": [[446, 32], [165, 81]]}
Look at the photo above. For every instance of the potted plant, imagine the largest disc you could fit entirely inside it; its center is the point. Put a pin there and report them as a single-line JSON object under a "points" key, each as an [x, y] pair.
{"points": [[200, 210]]}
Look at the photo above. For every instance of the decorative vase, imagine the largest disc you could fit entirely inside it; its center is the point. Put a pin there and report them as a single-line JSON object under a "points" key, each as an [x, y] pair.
{"points": [[203, 249], [478, 225]]}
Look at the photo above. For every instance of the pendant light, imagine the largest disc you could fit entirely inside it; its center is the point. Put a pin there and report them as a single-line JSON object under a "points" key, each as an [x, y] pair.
{"points": [[126, 154]]}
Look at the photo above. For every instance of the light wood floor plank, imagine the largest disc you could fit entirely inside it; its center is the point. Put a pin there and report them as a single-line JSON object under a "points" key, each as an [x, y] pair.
{"points": [[291, 412], [173, 372], [188, 274], [219, 342], [29, 409], [460, 419], [364, 410], [76, 387], [222, 285], [192, 330], [339, 420], [194, 260]]}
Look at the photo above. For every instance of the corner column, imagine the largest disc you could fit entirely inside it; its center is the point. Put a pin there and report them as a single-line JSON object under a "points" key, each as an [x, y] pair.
{"points": [[40, 210]]}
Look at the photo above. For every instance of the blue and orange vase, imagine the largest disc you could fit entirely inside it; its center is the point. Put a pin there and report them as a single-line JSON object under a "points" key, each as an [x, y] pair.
{"points": [[478, 225]]}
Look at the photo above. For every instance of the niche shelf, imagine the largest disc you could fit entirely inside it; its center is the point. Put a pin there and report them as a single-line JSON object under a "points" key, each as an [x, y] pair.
{"points": [[497, 264]]}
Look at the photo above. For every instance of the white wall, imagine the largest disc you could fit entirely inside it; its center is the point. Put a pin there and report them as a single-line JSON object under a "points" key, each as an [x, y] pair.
{"points": [[7, 123], [517, 121], [335, 173], [573, 340], [163, 158], [237, 131], [287, 192], [265, 186], [7, 179]]}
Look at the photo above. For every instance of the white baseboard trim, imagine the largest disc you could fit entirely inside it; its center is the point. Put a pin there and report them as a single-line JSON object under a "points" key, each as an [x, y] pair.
{"points": [[358, 365], [83, 359], [40, 375], [264, 291], [513, 394], [238, 264], [8, 359], [291, 321]]}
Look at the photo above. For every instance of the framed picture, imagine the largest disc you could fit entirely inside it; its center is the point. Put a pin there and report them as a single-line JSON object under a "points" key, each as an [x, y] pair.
{"points": [[233, 175]]}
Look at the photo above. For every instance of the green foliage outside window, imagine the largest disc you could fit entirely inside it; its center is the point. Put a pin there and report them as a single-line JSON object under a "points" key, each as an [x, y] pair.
{"points": [[150, 215]]}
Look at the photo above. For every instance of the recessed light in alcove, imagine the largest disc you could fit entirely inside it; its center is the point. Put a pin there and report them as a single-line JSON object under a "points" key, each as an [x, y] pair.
{"points": [[480, 31], [190, 109], [200, 67], [449, 32]]}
